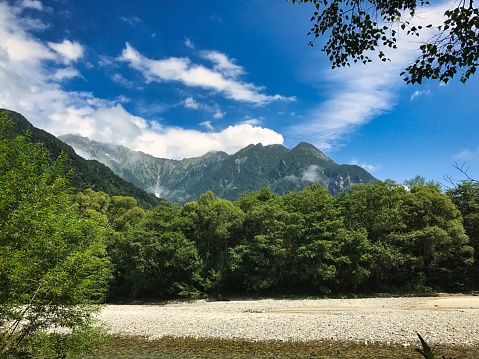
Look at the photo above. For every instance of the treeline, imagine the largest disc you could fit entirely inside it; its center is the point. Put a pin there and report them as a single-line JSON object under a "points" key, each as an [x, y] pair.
{"points": [[374, 238]]}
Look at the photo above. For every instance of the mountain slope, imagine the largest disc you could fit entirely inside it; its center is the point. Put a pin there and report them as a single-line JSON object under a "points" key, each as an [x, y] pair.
{"points": [[86, 174], [249, 169]]}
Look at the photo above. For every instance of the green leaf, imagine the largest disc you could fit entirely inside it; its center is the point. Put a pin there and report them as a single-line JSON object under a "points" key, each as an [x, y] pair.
{"points": [[426, 350]]}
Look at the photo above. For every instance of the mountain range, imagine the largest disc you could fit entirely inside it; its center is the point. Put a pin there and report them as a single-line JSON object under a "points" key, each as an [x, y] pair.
{"points": [[84, 174], [250, 169]]}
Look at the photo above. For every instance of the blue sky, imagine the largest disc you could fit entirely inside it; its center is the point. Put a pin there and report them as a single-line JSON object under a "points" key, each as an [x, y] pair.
{"points": [[179, 78]]}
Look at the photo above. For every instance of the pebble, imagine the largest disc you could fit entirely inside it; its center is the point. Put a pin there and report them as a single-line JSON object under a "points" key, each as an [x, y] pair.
{"points": [[369, 320]]}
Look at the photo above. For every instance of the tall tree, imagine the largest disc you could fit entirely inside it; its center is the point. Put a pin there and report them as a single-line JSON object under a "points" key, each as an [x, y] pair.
{"points": [[155, 259], [466, 198], [261, 261], [52, 263], [317, 222], [215, 224], [416, 235], [436, 238]]}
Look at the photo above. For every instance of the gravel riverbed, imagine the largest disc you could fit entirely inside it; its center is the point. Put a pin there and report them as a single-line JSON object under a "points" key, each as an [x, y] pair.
{"points": [[440, 320]]}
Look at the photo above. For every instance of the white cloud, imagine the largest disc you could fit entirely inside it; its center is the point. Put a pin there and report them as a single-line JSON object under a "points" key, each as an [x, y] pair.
{"points": [[191, 103], [252, 121], [107, 61], [66, 74], [367, 167], [362, 92], [31, 85], [32, 4], [119, 79], [207, 124], [16, 44], [123, 99], [71, 51], [151, 110], [194, 75], [219, 114], [223, 64], [25, 83], [116, 125], [178, 143], [311, 174], [86, 155], [418, 93], [189, 43], [33, 24], [467, 155]]}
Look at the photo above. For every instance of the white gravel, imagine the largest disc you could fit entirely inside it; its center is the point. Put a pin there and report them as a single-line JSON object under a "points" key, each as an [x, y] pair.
{"points": [[440, 320]]}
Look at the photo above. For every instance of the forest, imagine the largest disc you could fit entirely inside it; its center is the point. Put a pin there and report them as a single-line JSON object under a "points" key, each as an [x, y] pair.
{"points": [[383, 237], [62, 250]]}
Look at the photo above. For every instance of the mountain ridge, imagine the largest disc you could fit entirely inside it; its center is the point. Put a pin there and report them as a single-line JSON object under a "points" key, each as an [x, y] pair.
{"points": [[251, 168], [86, 174]]}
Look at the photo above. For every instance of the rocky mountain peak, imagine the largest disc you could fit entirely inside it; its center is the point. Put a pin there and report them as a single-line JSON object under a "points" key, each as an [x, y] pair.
{"points": [[309, 148]]}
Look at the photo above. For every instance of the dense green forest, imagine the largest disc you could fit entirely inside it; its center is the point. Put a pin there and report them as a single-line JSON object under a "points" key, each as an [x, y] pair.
{"points": [[375, 238], [61, 246]]}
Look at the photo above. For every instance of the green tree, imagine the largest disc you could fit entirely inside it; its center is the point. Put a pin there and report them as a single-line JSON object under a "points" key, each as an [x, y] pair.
{"points": [[315, 246], [466, 198], [327, 257], [436, 236], [260, 262], [116, 214], [52, 263], [155, 259], [416, 235], [89, 203], [215, 222], [298, 244], [357, 27]]}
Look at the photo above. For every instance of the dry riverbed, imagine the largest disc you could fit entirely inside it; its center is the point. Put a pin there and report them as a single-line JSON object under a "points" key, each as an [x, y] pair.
{"points": [[443, 319]]}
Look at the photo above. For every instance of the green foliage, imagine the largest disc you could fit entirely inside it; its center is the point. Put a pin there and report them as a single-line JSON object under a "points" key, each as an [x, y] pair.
{"points": [[116, 212], [315, 244], [356, 28], [155, 259], [80, 340], [261, 260], [426, 349], [380, 237], [417, 236], [215, 222], [52, 263], [297, 244], [466, 198]]}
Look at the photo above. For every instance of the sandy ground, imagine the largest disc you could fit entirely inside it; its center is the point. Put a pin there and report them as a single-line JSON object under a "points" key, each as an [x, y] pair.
{"points": [[443, 319], [442, 303]]}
